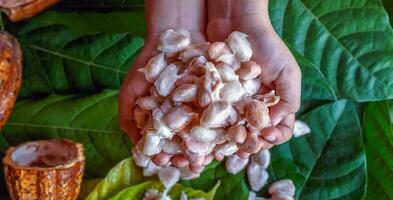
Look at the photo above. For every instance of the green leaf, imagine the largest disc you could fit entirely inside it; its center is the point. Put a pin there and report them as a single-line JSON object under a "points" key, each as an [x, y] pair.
{"points": [[125, 181], [73, 63], [389, 8], [351, 42], [138, 191], [231, 186], [101, 4], [328, 163], [314, 84], [378, 130], [123, 175], [87, 186], [91, 121], [89, 22]]}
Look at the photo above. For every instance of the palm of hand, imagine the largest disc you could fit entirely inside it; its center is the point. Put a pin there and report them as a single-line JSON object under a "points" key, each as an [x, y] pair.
{"points": [[135, 85], [280, 71]]}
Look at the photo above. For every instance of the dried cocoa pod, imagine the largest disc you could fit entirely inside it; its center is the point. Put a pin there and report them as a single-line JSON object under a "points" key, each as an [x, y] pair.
{"points": [[22, 9], [10, 74], [45, 169]]}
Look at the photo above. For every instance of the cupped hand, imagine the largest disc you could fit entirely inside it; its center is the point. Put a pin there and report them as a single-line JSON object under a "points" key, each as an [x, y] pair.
{"points": [[161, 15], [280, 72]]}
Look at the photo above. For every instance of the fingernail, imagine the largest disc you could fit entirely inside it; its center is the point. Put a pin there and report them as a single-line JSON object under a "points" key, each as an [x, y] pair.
{"points": [[270, 138]]}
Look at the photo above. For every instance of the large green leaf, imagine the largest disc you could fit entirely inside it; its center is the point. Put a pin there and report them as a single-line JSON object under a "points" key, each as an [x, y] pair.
{"points": [[378, 130], [350, 41], [314, 84], [101, 4], [231, 186], [125, 181], [123, 175], [91, 121], [72, 63], [328, 163], [75, 53], [89, 22], [138, 191], [389, 8]]}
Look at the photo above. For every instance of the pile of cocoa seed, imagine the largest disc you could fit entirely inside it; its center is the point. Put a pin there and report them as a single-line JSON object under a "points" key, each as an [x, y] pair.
{"points": [[204, 103]]}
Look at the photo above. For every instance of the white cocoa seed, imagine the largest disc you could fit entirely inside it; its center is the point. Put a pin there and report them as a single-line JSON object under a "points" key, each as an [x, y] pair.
{"points": [[257, 176], [165, 82], [300, 128], [239, 44], [202, 134], [235, 164], [232, 92], [284, 186], [169, 176], [262, 158], [173, 41], [154, 67]]}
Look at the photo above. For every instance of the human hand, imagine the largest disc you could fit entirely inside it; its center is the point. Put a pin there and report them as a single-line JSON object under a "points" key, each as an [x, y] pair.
{"points": [[279, 68], [161, 15]]}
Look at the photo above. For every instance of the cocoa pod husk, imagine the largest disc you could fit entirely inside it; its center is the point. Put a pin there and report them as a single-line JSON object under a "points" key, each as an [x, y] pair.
{"points": [[33, 181], [10, 74]]}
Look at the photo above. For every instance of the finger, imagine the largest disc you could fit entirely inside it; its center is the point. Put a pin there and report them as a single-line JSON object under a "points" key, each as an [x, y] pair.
{"points": [[134, 85], [281, 133], [288, 88], [126, 108]]}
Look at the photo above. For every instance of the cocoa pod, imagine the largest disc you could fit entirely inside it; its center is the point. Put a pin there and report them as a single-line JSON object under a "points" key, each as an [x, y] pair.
{"points": [[22, 9], [10, 74], [45, 169]]}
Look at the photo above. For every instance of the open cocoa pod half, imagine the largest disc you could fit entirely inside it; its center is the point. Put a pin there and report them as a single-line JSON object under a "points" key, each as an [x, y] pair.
{"points": [[10, 74], [44, 169], [22, 9]]}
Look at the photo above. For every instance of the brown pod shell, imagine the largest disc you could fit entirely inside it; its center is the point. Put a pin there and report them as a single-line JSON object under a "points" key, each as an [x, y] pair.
{"points": [[55, 174], [10, 74], [22, 9]]}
